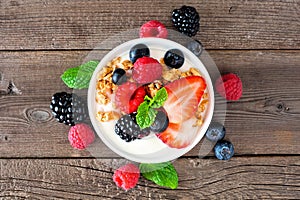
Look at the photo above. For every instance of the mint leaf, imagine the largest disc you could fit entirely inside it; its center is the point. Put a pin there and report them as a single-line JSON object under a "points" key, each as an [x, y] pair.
{"points": [[159, 99], [79, 77], [145, 115], [147, 98], [163, 174], [69, 76]]}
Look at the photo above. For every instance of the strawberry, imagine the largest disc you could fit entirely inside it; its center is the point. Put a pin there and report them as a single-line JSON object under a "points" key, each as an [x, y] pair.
{"points": [[177, 136], [184, 96], [129, 96]]}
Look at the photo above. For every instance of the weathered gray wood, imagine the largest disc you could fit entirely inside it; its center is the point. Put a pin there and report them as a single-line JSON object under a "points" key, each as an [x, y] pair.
{"points": [[250, 24], [240, 178], [264, 121]]}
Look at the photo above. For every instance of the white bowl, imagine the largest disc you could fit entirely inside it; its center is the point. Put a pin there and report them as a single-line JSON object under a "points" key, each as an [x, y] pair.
{"points": [[149, 149]]}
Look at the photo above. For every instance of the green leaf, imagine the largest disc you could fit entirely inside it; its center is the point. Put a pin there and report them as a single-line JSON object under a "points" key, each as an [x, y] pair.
{"points": [[145, 115], [147, 98], [160, 98], [79, 77], [163, 174], [69, 76]]}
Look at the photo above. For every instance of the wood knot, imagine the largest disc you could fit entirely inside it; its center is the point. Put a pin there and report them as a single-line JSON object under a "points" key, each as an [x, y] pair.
{"points": [[281, 107], [38, 115], [4, 138], [12, 89], [232, 9]]}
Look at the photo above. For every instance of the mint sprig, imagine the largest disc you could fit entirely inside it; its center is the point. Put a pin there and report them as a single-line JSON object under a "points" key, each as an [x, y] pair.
{"points": [[146, 115], [79, 77], [163, 174], [159, 99], [146, 112]]}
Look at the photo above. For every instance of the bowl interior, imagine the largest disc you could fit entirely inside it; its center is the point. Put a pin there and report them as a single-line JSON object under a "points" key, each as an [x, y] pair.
{"points": [[149, 149]]}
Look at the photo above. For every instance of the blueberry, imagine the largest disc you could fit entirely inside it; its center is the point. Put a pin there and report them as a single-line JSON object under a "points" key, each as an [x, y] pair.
{"points": [[195, 46], [161, 122], [174, 58], [138, 51], [119, 76], [224, 150], [215, 132]]}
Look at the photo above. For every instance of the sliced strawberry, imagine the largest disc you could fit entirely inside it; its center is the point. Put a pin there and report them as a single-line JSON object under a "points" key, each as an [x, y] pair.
{"points": [[184, 96], [128, 97], [177, 136]]}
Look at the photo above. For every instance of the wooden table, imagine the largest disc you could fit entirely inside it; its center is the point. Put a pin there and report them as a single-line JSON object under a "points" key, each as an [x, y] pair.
{"points": [[258, 40]]}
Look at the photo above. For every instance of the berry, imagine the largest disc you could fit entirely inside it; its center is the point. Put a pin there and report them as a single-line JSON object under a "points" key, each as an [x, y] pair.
{"points": [[174, 58], [177, 136], [138, 51], [128, 129], [119, 76], [81, 136], [215, 132], [229, 86], [68, 108], [184, 96], [161, 122], [224, 150], [127, 176], [195, 46], [186, 20], [146, 70], [153, 28], [128, 97]]}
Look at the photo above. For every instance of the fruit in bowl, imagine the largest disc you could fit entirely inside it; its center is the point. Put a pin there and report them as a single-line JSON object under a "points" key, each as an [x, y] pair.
{"points": [[150, 96]]}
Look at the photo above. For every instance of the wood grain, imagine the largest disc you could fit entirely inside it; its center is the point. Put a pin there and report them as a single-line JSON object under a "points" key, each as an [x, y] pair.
{"points": [[266, 117], [48, 24], [240, 178]]}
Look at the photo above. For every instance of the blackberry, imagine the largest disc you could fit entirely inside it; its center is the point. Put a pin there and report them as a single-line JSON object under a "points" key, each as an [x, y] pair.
{"points": [[68, 108], [186, 20], [128, 130]]}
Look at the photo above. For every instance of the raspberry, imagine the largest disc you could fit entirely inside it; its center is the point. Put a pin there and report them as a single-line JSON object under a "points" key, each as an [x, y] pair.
{"points": [[153, 28], [127, 176], [229, 86], [146, 70], [128, 97], [81, 136]]}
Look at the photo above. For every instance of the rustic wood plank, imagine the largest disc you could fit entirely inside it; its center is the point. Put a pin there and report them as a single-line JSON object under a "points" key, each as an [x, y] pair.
{"points": [[268, 111], [250, 24], [240, 178]]}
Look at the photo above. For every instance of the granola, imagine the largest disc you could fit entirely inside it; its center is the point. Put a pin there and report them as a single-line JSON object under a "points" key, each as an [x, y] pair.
{"points": [[107, 116], [105, 87]]}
